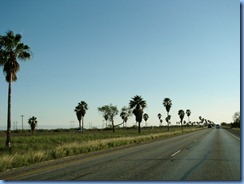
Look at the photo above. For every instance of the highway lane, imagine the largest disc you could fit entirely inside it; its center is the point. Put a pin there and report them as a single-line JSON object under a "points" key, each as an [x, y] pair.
{"points": [[209, 154]]}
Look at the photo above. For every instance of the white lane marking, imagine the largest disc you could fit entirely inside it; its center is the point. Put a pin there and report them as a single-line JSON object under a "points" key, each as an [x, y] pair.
{"points": [[233, 135], [176, 153]]}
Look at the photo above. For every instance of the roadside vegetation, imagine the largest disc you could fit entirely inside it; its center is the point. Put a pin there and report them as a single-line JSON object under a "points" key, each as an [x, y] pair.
{"points": [[44, 145]]}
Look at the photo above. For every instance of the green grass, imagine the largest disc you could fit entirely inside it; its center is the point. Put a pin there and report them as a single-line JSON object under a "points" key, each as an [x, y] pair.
{"points": [[46, 145]]}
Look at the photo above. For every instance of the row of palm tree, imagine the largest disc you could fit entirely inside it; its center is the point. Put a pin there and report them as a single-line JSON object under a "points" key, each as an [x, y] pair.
{"points": [[136, 106], [11, 49]]}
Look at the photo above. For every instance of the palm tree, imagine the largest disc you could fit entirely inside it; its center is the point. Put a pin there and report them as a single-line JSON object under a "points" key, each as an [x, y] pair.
{"points": [[181, 114], [188, 113], [80, 110], [11, 49], [167, 119], [160, 120], [124, 118], [145, 117], [167, 104], [33, 123], [138, 104], [125, 113]]}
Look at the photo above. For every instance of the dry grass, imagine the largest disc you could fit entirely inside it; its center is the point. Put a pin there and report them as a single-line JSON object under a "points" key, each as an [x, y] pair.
{"points": [[30, 149]]}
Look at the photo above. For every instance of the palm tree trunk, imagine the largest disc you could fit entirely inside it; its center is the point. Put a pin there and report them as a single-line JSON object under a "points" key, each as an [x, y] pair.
{"points": [[82, 119], [181, 126], [139, 127], [168, 120], [9, 114], [80, 125], [123, 125]]}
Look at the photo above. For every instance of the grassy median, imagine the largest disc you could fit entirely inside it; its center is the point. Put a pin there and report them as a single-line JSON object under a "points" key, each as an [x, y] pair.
{"points": [[46, 145]]}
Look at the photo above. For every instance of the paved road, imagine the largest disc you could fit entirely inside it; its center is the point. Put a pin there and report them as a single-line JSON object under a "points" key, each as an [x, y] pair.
{"points": [[209, 154]]}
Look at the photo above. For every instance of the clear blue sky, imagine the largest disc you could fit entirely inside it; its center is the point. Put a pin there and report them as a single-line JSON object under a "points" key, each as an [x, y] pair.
{"points": [[107, 51]]}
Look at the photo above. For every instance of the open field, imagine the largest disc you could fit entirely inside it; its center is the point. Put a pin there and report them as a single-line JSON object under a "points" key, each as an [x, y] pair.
{"points": [[46, 145]]}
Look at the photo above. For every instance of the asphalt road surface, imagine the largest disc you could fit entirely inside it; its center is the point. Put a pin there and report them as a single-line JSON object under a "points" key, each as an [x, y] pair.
{"points": [[208, 154]]}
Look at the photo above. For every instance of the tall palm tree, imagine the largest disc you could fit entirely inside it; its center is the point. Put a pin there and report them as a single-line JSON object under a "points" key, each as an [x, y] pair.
{"points": [[181, 114], [12, 49], [188, 113], [33, 123], [80, 110], [167, 104], [145, 117], [138, 104]]}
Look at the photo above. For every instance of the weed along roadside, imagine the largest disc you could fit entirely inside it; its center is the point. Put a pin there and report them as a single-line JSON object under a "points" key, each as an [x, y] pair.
{"points": [[28, 149]]}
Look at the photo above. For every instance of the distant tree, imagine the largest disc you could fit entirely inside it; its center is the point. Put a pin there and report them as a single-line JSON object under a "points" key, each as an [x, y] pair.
{"points": [[33, 123], [201, 120], [160, 120], [138, 104], [167, 119], [188, 113], [167, 104], [237, 119], [110, 112], [181, 114], [80, 110], [206, 122], [12, 48], [125, 113], [145, 117], [224, 124], [184, 122]]}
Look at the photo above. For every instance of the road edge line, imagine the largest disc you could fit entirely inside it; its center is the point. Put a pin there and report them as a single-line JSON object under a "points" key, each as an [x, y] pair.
{"points": [[233, 135], [176, 153]]}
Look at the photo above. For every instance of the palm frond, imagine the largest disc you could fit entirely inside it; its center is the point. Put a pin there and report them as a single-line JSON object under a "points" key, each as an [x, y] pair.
{"points": [[188, 112], [11, 48], [137, 102], [167, 104]]}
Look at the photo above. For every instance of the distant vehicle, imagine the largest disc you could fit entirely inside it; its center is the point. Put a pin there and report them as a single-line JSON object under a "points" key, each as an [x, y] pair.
{"points": [[209, 126], [217, 126]]}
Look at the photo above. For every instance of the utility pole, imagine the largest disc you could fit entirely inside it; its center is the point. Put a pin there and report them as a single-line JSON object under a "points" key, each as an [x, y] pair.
{"points": [[22, 121]]}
